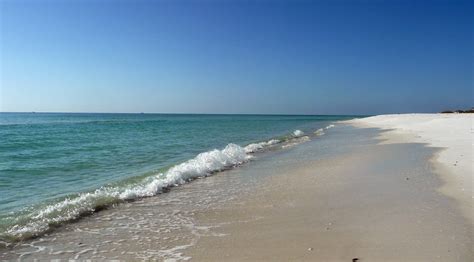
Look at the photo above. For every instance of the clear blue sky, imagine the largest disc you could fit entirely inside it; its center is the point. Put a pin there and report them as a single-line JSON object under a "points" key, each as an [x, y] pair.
{"points": [[292, 57]]}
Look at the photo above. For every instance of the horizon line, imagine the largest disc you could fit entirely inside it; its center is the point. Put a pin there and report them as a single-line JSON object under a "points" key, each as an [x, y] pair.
{"points": [[162, 113]]}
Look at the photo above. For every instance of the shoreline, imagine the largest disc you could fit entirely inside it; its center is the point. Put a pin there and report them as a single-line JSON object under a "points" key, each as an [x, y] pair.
{"points": [[374, 202], [83, 204], [452, 133], [335, 197]]}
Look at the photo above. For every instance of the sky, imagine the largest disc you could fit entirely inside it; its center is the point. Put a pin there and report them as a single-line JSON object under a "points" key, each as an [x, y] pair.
{"points": [[249, 57]]}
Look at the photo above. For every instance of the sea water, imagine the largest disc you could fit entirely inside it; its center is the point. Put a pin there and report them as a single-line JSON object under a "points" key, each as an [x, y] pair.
{"points": [[58, 167]]}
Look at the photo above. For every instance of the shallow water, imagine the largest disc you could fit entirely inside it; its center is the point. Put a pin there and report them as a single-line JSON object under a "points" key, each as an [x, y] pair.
{"points": [[338, 198], [163, 227], [55, 168], [168, 226]]}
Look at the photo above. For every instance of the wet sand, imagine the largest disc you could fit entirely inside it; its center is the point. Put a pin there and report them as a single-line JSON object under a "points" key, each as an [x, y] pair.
{"points": [[336, 198], [375, 203], [453, 133]]}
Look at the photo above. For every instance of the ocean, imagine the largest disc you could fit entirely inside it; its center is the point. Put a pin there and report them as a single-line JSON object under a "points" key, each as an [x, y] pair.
{"points": [[59, 167]]}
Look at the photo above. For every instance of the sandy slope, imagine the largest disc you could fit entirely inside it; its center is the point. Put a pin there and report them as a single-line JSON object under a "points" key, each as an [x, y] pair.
{"points": [[376, 202], [452, 132]]}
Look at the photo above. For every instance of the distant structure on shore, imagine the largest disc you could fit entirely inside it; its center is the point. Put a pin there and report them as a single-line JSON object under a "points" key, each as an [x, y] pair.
{"points": [[458, 111]]}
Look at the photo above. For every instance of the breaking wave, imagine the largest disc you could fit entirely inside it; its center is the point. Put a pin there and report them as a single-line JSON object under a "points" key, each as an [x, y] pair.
{"points": [[298, 133], [34, 221]]}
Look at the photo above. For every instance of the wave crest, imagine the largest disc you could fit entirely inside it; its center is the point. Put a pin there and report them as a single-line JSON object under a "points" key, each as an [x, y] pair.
{"points": [[204, 164], [298, 133], [252, 148], [35, 220]]}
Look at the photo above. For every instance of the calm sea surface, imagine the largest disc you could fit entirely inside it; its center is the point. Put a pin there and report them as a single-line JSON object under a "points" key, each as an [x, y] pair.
{"points": [[55, 167]]}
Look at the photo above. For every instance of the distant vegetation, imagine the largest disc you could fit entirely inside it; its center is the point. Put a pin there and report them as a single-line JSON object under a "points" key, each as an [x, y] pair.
{"points": [[459, 111]]}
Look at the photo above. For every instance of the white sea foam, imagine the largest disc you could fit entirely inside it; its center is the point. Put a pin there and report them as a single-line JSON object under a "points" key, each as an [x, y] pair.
{"points": [[298, 133], [259, 146], [204, 164], [296, 141], [319, 132]]}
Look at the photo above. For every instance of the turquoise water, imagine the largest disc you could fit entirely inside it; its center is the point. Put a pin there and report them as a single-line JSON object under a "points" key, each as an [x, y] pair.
{"points": [[57, 167]]}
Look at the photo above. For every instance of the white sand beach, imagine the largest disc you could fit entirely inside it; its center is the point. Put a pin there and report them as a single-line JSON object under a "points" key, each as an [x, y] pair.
{"points": [[376, 202], [237, 130], [352, 194], [454, 133]]}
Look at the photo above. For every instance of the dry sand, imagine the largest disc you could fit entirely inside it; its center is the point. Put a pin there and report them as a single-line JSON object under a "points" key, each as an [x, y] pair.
{"points": [[341, 197]]}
